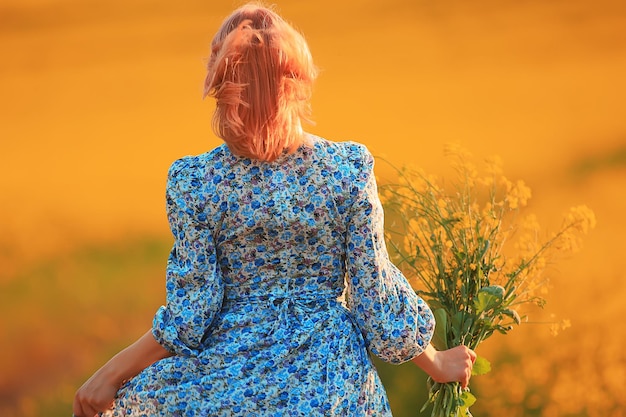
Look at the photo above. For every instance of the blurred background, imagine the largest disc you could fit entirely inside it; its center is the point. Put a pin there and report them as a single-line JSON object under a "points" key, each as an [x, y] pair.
{"points": [[99, 97]]}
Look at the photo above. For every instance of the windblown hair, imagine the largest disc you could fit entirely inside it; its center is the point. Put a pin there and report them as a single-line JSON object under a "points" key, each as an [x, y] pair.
{"points": [[261, 74]]}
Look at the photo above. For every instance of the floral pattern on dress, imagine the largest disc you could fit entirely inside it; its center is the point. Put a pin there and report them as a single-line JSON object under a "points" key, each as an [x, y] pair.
{"points": [[278, 285]]}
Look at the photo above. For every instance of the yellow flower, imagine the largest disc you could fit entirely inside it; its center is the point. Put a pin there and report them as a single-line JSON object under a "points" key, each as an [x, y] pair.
{"points": [[493, 165], [414, 224], [518, 194], [460, 161], [582, 218], [555, 328], [493, 168], [527, 241], [523, 192], [567, 240], [531, 224], [506, 183], [455, 150], [407, 245], [488, 209], [462, 221]]}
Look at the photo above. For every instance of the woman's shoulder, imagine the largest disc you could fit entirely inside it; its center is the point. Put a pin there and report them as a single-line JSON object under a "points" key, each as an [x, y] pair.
{"points": [[193, 164], [346, 151], [344, 155]]}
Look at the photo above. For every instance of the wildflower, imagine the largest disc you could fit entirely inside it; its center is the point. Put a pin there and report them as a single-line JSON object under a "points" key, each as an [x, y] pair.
{"points": [[557, 327], [493, 165], [471, 257], [582, 218], [518, 194]]}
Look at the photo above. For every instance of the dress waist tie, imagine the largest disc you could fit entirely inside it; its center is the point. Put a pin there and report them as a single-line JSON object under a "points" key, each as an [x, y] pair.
{"points": [[287, 306]]}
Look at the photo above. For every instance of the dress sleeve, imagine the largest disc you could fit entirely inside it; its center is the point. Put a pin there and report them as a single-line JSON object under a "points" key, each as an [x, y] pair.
{"points": [[194, 287], [396, 323]]}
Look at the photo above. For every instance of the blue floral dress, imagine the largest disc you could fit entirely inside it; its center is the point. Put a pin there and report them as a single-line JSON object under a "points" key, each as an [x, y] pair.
{"points": [[278, 285]]}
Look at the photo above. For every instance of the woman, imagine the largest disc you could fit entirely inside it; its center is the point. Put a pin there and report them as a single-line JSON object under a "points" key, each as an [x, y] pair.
{"points": [[278, 282]]}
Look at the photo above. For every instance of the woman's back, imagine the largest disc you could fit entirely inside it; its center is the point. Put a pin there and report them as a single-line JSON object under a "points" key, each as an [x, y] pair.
{"points": [[265, 330], [282, 225]]}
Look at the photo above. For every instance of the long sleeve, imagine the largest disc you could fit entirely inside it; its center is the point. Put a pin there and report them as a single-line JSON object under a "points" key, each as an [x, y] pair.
{"points": [[193, 283], [397, 324]]}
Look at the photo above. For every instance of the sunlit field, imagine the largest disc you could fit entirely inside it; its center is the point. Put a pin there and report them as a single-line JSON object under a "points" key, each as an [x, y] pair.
{"points": [[99, 97]]}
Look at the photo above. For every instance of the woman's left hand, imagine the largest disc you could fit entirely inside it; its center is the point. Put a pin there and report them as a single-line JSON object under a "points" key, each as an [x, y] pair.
{"points": [[96, 394], [451, 365]]}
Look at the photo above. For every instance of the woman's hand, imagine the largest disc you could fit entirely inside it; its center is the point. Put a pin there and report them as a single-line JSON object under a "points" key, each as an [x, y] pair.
{"points": [[96, 394], [452, 365]]}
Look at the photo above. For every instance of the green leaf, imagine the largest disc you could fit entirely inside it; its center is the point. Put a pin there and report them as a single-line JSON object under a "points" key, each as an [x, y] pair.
{"points": [[467, 324], [513, 314], [433, 303], [441, 329], [467, 400], [495, 290], [457, 327], [488, 298], [431, 400], [503, 330], [481, 366], [484, 249]]}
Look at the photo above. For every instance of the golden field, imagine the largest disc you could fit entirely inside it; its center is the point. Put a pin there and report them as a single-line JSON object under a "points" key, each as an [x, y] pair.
{"points": [[99, 97]]}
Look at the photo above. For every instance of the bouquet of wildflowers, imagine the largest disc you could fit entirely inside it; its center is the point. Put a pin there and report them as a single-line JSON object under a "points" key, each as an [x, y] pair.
{"points": [[472, 256]]}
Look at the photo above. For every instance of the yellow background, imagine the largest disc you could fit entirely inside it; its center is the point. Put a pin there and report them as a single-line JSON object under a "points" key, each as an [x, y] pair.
{"points": [[99, 97]]}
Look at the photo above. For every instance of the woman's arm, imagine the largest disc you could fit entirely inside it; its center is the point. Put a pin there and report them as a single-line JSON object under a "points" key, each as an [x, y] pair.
{"points": [[98, 392], [452, 365]]}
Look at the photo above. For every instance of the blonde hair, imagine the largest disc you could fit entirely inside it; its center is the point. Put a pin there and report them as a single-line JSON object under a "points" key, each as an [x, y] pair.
{"points": [[261, 74]]}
